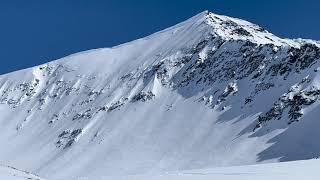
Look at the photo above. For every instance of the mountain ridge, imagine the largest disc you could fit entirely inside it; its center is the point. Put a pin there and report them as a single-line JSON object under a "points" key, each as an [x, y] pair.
{"points": [[205, 17]]}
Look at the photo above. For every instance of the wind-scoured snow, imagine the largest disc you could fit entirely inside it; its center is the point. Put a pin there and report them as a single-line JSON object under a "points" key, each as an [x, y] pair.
{"points": [[211, 91]]}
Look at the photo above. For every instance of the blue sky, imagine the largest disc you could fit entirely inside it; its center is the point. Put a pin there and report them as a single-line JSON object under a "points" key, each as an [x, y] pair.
{"points": [[37, 31]]}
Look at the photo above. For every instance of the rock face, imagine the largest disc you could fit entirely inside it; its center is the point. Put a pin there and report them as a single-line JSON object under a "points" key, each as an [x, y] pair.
{"points": [[210, 91]]}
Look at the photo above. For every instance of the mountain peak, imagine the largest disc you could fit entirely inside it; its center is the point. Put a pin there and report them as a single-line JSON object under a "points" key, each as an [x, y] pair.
{"points": [[230, 28], [238, 29]]}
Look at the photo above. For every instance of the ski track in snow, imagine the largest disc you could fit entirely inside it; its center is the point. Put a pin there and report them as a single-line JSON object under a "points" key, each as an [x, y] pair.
{"points": [[10, 173]]}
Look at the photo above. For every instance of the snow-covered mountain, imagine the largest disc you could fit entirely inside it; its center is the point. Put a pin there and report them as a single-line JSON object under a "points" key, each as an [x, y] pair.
{"points": [[210, 91]]}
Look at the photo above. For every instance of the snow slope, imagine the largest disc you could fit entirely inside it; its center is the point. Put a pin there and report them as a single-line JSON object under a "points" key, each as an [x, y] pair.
{"points": [[10, 173], [295, 170], [210, 91]]}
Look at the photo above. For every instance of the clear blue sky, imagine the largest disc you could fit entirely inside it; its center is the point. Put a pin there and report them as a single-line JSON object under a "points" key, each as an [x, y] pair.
{"points": [[37, 31]]}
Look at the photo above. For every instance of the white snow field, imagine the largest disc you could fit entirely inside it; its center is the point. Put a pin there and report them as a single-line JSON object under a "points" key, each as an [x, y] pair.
{"points": [[209, 92], [294, 170]]}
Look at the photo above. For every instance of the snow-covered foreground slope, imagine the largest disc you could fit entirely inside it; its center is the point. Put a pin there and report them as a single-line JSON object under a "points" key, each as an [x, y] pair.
{"points": [[295, 170], [210, 91], [10, 173]]}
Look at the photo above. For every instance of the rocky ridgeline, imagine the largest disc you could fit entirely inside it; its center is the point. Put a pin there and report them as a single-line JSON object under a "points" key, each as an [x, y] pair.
{"points": [[292, 104]]}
